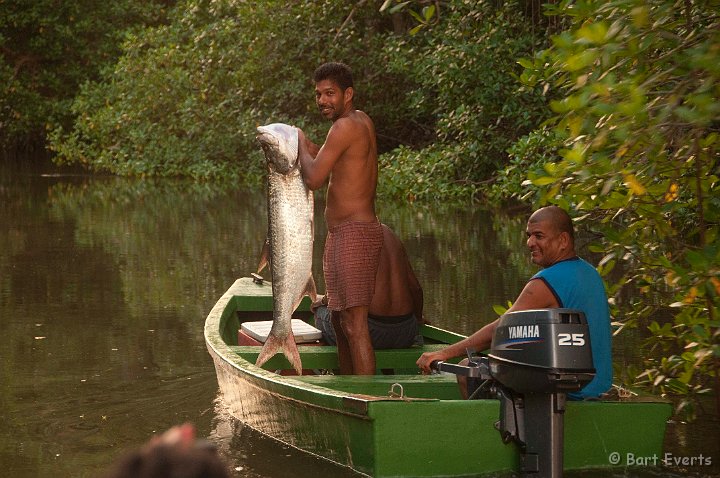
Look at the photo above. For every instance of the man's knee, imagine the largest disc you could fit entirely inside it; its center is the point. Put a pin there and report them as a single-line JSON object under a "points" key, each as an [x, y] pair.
{"points": [[350, 328], [354, 322]]}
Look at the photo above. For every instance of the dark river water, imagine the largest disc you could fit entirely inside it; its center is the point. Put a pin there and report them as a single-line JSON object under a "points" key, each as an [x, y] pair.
{"points": [[105, 284]]}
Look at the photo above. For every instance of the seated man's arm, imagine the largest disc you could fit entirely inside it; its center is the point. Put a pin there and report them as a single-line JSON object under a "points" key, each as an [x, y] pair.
{"points": [[535, 295]]}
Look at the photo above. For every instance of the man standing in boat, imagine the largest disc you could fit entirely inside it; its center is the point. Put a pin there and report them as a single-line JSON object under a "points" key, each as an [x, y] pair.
{"points": [[565, 281], [348, 159]]}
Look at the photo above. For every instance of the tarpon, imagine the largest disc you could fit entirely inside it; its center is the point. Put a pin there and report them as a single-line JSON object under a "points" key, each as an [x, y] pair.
{"points": [[290, 238]]}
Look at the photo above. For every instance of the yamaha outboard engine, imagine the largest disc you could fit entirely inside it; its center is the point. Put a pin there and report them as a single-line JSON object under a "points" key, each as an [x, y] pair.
{"points": [[536, 357]]}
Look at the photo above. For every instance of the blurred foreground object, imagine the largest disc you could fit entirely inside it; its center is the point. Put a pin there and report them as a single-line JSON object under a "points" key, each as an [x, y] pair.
{"points": [[174, 454]]}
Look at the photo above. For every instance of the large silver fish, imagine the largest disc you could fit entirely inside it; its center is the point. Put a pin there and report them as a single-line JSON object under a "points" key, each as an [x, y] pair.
{"points": [[290, 238]]}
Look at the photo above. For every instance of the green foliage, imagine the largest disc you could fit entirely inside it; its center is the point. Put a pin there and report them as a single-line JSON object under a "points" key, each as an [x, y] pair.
{"points": [[638, 114], [182, 98], [424, 17], [466, 72], [527, 159], [47, 48], [424, 176], [185, 98]]}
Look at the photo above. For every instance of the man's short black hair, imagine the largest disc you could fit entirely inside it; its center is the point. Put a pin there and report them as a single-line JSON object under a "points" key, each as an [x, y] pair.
{"points": [[340, 73]]}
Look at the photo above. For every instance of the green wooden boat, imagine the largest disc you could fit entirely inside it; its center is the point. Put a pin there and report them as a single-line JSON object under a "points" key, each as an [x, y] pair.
{"points": [[405, 424]]}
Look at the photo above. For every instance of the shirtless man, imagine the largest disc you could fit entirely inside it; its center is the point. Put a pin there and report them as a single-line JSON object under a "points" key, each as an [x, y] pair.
{"points": [[565, 281], [396, 310], [348, 159]]}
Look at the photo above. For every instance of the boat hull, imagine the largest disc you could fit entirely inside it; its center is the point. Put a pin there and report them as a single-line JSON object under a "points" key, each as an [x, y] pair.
{"points": [[360, 422]]}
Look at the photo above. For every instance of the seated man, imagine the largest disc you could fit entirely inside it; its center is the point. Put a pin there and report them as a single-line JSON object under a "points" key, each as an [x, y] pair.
{"points": [[565, 281], [395, 312]]}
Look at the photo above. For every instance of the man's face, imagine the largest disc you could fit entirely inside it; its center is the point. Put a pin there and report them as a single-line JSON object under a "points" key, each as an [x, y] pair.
{"points": [[547, 245], [330, 99]]}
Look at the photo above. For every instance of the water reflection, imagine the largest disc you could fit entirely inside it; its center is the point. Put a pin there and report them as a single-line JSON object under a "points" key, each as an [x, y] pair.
{"points": [[253, 455], [105, 284]]}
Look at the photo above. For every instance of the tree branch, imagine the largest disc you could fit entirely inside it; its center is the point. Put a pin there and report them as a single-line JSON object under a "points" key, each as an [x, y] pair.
{"points": [[349, 17]]}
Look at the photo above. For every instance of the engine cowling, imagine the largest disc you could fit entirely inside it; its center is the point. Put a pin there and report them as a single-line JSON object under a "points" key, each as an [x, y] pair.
{"points": [[542, 351]]}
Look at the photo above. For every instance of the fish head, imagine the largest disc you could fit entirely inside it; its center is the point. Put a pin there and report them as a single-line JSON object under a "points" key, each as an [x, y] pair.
{"points": [[279, 142]]}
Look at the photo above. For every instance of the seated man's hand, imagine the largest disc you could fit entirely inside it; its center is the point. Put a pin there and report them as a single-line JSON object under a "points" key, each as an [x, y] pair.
{"points": [[427, 358], [319, 301]]}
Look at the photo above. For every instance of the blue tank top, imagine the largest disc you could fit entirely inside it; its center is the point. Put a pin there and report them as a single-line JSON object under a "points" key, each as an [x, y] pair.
{"points": [[577, 285]]}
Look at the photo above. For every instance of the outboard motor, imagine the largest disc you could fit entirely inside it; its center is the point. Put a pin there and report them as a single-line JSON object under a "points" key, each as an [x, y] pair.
{"points": [[536, 357]]}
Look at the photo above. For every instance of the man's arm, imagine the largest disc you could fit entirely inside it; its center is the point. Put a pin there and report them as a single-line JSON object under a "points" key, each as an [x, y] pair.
{"points": [[535, 295], [316, 168], [480, 340], [311, 147]]}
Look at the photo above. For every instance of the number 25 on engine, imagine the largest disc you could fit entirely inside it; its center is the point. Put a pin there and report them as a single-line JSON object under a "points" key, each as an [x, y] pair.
{"points": [[577, 340]]}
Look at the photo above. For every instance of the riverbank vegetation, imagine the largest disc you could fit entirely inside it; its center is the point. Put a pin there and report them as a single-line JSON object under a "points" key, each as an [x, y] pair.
{"points": [[48, 49], [185, 97], [607, 108], [635, 125]]}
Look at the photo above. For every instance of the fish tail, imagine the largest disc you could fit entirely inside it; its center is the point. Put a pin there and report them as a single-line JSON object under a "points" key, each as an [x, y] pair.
{"points": [[273, 345]]}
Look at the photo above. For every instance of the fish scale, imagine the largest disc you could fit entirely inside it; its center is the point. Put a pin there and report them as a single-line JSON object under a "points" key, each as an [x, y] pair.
{"points": [[290, 238]]}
